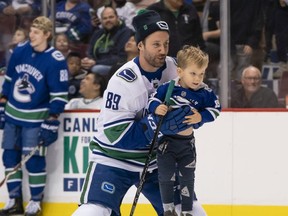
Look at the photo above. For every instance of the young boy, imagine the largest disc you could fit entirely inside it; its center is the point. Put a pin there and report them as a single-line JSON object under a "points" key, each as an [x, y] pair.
{"points": [[20, 36], [76, 74], [176, 153]]}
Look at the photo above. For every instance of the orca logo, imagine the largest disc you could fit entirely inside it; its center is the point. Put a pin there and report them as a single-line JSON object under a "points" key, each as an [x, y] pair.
{"points": [[128, 75], [108, 187], [163, 25], [23, 89]]}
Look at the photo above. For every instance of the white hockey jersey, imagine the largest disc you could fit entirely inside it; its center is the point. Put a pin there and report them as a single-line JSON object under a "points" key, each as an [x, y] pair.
{"points": [[120, 140]]}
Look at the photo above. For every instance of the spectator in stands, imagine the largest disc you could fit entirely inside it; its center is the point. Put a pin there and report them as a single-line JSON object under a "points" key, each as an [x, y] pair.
{"points": [[131, 51], [142, 4], [73, 19], [20, 9], [107, 44], [184, 24], [20, 36], [96, 3], [246, 25], [92, 88], [2, 64], [251, 94], [76, 74], [62, 44], [269, 22], [281, 36], [211, 36], [14, 14], [125, 10]]}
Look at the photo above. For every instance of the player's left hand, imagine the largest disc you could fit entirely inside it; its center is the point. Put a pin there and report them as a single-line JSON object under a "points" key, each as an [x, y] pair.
{"points": [[49, 132]]}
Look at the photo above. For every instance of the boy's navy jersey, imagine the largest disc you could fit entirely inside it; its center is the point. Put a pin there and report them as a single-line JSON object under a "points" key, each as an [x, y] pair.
{"points": [[203, 100], [36, 85]]}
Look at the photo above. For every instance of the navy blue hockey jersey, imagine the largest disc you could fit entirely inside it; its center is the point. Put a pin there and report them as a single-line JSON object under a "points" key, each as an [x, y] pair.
{"points": [[36, 85]]}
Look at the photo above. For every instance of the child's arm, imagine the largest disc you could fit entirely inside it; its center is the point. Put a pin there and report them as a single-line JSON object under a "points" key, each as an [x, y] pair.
{"points": [[211, 110], [161, 110], [194, 118]]}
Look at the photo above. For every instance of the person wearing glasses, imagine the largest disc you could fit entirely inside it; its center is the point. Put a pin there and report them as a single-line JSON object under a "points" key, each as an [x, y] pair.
{"points": [[251, 94]]}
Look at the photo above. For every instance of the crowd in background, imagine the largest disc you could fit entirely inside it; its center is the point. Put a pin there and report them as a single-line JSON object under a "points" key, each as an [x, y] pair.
{"points": [[96, 36]]}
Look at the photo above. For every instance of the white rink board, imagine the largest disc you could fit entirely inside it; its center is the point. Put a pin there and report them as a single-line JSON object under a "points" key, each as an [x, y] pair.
{"points": [[242, 159]]}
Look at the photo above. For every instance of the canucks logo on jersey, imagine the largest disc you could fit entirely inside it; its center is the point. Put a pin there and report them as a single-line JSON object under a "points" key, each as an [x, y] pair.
{"points": [[23, 89]]}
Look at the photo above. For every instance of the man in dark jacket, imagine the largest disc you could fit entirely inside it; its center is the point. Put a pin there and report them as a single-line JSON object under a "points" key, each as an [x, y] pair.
{"points": [[183, 21], [251, 94], [246, 25], [107, 44]]}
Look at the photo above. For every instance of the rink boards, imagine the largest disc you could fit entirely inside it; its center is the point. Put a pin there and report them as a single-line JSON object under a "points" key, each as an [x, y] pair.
{"points": [[241, 170]]}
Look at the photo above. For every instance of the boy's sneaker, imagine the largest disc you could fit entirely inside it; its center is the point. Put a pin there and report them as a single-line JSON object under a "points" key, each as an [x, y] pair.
{"points": [[13, 207], [33, 208]]}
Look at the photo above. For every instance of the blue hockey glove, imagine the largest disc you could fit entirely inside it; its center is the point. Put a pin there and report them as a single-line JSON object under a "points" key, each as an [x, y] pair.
{"points": [[2, 115], [49, 132], [172, 122]]}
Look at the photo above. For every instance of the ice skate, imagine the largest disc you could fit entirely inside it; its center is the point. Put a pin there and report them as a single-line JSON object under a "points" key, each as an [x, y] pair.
{"points": [[13, 207], [33, 209]]}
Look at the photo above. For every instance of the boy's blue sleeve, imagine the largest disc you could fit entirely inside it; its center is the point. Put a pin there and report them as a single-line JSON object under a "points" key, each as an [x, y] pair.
{"points": [[157, 98], [212, 108]]}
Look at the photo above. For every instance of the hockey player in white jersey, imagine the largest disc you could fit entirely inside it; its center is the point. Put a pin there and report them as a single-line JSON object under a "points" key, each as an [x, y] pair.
{"points": [[33, 95], [121, 143]]}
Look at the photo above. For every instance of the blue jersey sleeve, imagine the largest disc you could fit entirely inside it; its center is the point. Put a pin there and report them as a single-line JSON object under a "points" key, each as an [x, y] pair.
{"points": [[81, 27], [212, 107], [58, 85]]}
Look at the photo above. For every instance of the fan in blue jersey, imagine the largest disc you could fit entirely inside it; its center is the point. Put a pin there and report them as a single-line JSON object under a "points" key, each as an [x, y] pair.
{"points": [[33, 95], [176, 153], [73, 18], [120, 146], [20, 7]]}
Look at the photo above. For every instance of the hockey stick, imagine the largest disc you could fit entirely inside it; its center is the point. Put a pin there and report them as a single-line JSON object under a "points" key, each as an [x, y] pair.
{"points": [[153, 143], [21, 163]]}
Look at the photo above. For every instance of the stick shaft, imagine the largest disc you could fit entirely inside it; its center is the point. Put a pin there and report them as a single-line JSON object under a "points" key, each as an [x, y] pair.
{"points": [[20, 164], [149, 157]]}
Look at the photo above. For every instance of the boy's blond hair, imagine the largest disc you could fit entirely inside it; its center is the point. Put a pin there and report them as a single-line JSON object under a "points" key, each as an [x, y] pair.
{"points": [[43, 23], [190, 54]]}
